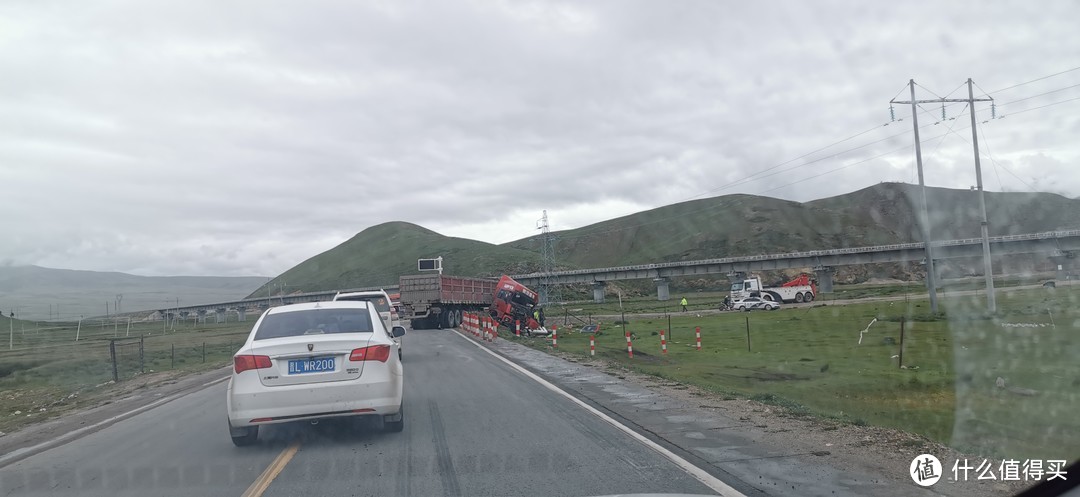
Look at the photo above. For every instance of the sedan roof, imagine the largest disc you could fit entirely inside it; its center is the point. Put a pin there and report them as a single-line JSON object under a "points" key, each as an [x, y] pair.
{"points": [[342, 304]]}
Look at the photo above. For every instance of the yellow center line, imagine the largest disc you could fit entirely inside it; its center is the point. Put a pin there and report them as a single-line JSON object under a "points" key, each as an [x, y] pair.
{"points": [[263, 481]]}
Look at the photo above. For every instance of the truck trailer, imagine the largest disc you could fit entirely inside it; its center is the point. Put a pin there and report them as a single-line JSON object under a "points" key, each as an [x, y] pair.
{"points": [[440, 301]]}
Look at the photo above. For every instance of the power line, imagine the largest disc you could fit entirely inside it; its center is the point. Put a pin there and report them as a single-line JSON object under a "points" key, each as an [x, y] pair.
{"points": [[758, 176], [1041, 94], [755, 176], [1044, 106], [752, 176], [986, 143], [838, 169], [1036, 79]]}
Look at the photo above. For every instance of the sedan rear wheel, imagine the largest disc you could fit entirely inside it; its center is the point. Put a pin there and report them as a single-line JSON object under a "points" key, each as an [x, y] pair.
{"points": [[395, 423], [247, 435]]}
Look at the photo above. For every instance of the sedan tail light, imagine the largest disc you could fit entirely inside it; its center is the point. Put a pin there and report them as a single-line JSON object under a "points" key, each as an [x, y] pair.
{"points": [[243, 363], [373, 353]]}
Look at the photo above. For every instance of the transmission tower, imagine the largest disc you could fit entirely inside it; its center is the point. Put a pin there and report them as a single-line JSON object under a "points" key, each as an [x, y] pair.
{"points": [[548, 292]]}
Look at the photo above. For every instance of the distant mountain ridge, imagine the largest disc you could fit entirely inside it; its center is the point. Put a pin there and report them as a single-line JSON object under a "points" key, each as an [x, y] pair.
{"points": [[41, 292], [729, 225]]}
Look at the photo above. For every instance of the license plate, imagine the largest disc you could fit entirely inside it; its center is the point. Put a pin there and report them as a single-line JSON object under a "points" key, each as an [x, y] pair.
{"points": [[313, 365]]}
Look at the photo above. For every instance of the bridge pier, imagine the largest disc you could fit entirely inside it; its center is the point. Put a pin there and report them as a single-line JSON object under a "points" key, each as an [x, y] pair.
{"points": [[200, 316], [663, 290], [598, 290], [824, 276], [240, 311], [184, 315], [220, 315]]}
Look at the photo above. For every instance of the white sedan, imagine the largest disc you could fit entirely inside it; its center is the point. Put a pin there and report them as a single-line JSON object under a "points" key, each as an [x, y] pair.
{"points": [[315, 361], [751, 303]]}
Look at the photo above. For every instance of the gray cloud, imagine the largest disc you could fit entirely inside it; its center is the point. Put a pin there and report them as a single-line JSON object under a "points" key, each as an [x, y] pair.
{"points": [[205, 138]]}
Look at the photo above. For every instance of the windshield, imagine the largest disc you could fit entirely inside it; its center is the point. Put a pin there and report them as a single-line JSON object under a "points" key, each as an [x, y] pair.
{"points": [[380, 303], [608, 247], [313, 322], [522, 299]]}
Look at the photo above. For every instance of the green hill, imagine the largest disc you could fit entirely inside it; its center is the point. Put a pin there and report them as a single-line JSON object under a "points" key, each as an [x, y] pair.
{"points": [[734, 225], [724, 226], [379, 254]]}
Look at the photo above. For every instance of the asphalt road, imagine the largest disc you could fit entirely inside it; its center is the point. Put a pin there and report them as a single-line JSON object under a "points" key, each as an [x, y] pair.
{"points": [[473, 426]]}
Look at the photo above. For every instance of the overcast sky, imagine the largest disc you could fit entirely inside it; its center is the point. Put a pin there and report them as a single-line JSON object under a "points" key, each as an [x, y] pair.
{"points": [[240, 138]]}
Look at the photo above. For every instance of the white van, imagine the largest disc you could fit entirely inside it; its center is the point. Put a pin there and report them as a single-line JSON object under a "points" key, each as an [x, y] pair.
{"points": [[381, 301]]}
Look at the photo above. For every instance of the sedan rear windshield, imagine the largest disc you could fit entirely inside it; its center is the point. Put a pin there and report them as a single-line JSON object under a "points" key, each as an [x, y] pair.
{"points": [[314, 322], [380, 303]]}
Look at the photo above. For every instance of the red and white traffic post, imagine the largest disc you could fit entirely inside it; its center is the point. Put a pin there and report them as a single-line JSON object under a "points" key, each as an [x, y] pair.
{"points": [[629, 346], [517, 327], [555, 336], [663, 343], [697, 335], [592, 345]]}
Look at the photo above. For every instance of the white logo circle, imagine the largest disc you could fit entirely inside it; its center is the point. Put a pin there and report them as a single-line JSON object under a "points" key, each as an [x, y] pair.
{"points": [[925, 470]]}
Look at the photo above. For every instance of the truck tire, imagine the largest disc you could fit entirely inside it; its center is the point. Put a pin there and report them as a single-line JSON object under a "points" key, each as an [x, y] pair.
{"points": [[809, 297], [418, 324], [767, 296], [798, 298], [459, 317]]}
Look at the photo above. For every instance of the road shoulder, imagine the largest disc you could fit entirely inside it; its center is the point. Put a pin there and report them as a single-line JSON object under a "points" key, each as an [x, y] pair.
{"points": [[763, 446]]}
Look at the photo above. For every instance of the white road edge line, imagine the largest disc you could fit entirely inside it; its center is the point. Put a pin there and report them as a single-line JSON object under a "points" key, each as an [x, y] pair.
{"points": [[701, 475], [60, 440]]}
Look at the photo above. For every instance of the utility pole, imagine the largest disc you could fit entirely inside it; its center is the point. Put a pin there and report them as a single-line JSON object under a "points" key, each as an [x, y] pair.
{"points": [[988, 265], [931, 283]]}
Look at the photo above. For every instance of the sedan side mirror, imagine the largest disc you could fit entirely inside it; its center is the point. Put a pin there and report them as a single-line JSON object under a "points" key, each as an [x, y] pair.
{"points": [[398, 331]]}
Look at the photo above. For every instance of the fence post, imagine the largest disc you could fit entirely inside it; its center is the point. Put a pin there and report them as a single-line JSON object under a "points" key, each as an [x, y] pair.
{"points": [[142, 362], [901, 342], [669, 325], [748, 333], [172, 357], [204, 351], [112, 354]]}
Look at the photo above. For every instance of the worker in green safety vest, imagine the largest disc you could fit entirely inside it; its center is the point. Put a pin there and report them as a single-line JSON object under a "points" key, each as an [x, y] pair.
{"points": [[684, 304]]}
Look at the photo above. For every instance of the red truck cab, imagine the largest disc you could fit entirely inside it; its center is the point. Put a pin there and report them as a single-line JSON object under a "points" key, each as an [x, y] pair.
{"points": [[514, 302]]}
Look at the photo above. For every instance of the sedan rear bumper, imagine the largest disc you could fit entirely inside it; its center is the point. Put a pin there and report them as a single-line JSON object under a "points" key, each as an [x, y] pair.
{"points": [[259, 405]]}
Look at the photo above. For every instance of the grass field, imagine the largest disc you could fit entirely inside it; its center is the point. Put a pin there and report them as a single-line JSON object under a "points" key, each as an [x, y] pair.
{"points": [[47, 372], [712, 300], [809, 360]]}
